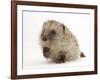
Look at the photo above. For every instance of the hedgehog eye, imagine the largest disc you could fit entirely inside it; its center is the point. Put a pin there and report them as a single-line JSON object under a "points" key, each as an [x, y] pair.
{"points": [[53, 32]]}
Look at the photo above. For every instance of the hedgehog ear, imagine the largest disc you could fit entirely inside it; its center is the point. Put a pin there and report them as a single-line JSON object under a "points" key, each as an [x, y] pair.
{"points": [[63, 26]]}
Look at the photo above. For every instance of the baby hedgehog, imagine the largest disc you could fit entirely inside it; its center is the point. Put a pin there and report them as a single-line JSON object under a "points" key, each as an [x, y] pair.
{"points": [[58, 42]]}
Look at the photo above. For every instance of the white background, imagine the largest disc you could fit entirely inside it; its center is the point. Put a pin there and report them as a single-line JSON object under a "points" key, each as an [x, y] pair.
{"points": [[79, 21], [5, 49]]}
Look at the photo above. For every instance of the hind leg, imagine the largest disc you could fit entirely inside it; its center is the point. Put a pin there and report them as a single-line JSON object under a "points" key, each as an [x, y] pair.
{"points": [[61, 57]]}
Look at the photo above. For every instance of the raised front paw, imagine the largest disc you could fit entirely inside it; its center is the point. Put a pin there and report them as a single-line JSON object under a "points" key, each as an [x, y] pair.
{"points": [[46, 52]]}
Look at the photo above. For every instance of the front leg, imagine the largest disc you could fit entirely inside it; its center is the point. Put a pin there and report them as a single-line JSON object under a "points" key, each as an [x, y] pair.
{"points": [[46, 52]]}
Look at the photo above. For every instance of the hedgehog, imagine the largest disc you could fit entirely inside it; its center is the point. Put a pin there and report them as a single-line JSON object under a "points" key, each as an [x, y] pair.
{"points": [[58, 43]]}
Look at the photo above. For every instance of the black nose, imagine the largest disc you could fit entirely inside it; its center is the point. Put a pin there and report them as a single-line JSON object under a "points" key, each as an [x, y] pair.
{"points": [[44, 39]]}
